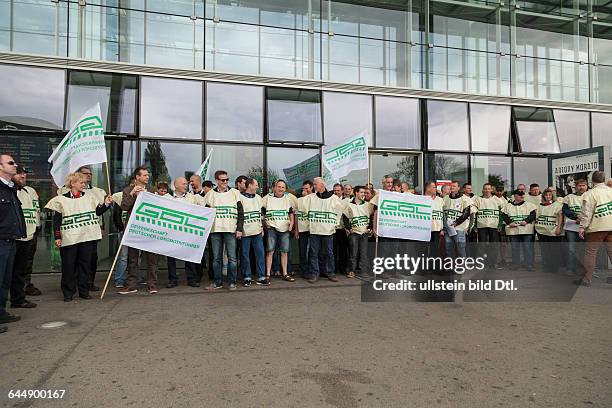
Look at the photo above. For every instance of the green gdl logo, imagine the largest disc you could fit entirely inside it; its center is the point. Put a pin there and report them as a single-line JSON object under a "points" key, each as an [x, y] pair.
{"points": [[405, 210], [346, 149], [171, 219]]}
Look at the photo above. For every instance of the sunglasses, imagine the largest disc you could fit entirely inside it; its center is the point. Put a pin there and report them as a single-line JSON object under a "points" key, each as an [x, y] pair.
{"points": [[223, 180], [10, 163]]}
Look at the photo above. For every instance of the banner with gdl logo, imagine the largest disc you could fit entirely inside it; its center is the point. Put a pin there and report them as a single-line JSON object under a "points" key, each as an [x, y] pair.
{"points": [[168, 227], [404, 216], [351, 154]]}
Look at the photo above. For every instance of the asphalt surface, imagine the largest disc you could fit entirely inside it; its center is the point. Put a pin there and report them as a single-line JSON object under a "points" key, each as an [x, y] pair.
{"points": [[303, 345]]}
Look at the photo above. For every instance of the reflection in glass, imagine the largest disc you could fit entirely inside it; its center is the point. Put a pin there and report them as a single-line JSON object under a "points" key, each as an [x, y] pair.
{"points": [[440, 166], [171, 108], [293, 165], [31, 98], [174, 41], [602, 78], [398, 123], [237, 160], [400, 166], [573, 129], [602, 43], [490, 126], [550, 79], [167, 161], [447, 126], [602, 125], [529, 170], [345, 115], [490, 169], [115, 93], [285, 14], [536, 130], [234, 112], [294, 115]]}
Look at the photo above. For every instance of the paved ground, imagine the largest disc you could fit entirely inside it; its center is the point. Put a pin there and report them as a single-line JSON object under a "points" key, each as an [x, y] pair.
{"points": [[299, 345]]}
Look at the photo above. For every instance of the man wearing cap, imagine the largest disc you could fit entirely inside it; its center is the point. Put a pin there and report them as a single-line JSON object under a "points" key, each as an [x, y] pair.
{"points": [[24, 252], [519, 217], [12, 227]]}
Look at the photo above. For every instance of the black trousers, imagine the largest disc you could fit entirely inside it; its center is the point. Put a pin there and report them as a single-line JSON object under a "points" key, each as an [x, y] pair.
{"points": [[551, 251], [488, 239], [76, 268], [358, 253], [341, 249], [433, 250], [18, 279], [93, 268]]}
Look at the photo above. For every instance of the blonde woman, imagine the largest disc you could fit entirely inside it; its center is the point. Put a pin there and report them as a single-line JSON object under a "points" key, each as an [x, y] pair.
{"points": [[76, 230]]}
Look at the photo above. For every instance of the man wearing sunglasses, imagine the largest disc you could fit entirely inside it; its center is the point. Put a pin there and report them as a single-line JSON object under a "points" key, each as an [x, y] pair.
{"points": [[12, 227], [228, 227]]}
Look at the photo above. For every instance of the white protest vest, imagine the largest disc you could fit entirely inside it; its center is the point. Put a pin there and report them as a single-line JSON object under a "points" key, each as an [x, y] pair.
{"points": [[488, 211], [252, 215], [535, 200], [323, 214], [518, 213], [546, 218], [454, 207], [226, 205], [574, 202], [79, 219], [117, 197], [30, 212], [302, 215], [437, 214], [600, 197], [277, 212], [344, 202], [359, 216]]}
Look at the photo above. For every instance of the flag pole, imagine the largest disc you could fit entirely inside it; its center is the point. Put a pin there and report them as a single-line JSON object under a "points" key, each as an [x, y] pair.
{"points": [[110, 192], [110, 273]]}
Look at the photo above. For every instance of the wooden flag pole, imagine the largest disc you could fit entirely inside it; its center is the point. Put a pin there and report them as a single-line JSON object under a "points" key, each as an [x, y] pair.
{"points": [[110, 192], [110, 273]]}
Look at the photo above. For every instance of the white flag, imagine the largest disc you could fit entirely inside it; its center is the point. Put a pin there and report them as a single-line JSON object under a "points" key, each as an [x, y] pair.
{"points": [[204, 167], [405, 216], [167, 227], [83, 145], [351, 154]]}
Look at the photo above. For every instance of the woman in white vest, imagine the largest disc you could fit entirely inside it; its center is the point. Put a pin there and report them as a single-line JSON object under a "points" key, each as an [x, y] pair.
{"points": [[488, 210], [548, 226], [76, 231], [596, 224], [357, 221]]}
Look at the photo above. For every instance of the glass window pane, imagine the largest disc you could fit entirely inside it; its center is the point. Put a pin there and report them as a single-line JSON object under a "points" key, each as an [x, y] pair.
{"points": [[171, 108], [115, 93], [288, 13], [294, 166], [400, 166], [447, 126], [529, 170], [398, 122], [174, 41], [294, 115], [491, 169], [490, 125], [345, 115], [602, 78], [551, 79], [232, 47], [234, 112], [31, 98], [440, 166], [602, 42], [573, 129], [167, 161], [122, 157], [471, 26], [602, 133], [536, 130], [286, 53], [39, 27], [237, 160]]}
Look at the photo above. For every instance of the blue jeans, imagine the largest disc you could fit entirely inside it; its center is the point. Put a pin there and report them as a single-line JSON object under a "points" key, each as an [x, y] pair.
{"points": [[219, 241], [190, 271], [120, 270], [455, 246], [573, 243], [321, 247], [8, 249], [278, 241], [303, 241], [255, 241], [524, 243]]}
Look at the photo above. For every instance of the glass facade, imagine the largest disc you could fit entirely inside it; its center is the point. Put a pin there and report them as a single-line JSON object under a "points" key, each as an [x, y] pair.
{"points": [[548, 50]]}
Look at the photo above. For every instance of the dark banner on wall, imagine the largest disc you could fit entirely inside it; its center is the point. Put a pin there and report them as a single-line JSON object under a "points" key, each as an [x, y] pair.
{"points": [[566, 168]]}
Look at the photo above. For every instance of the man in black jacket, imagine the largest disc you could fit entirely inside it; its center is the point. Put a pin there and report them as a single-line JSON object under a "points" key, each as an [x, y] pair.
{"points": [[12, 227]]}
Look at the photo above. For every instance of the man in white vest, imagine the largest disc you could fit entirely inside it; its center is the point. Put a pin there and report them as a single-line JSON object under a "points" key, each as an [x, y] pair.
{"points": [[324, 209], [279, 220], [596, 224], [23, 254], [572, 207], [302, 232]]}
